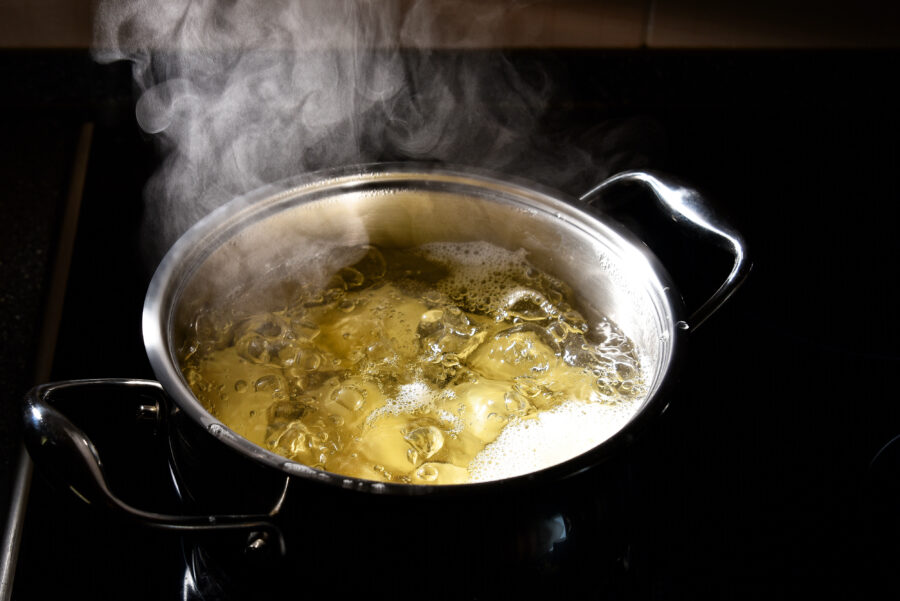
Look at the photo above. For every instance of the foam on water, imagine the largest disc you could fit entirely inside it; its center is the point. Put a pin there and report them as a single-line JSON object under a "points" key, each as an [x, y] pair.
{"points": [[476, 255], [417, 397], [549, 438], [481, 271]]}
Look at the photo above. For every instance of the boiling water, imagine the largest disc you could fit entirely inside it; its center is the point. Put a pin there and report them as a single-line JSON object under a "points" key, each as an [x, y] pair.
{"points": [[441, 364]]}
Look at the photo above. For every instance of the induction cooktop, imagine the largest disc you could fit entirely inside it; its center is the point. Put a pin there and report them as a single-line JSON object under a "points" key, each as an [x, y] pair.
{"points": [[773, 471]]}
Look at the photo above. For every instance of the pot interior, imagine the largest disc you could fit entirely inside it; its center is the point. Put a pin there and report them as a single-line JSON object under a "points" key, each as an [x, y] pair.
{"points": [[247, 250]]}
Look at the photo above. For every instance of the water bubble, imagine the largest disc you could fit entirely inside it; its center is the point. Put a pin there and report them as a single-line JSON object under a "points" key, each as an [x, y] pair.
{"points": [[353, 278], [520, 350], [287, 355], [281, 412], [291, 441], [558, 331], [448, 330], [516, 404], [603, 387], [240, 386], [576, 353], [527, 387], [426, 440], [316, 299], [626, 387], [307, 359], [269, 329], [253, 348], [428, 472], [270, 383], [625, 371], [349, 397], [335, 283], [525, 304], [214, 330], [444, 473], [432, 297], [433, 316], [311, 361]]}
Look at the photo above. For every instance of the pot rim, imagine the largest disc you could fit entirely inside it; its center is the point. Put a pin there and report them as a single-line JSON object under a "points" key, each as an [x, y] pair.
{"points": [[199, 240]]}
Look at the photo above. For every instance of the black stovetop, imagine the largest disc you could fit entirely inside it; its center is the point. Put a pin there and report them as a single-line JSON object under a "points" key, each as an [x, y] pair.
{"points": [[758, 481]]}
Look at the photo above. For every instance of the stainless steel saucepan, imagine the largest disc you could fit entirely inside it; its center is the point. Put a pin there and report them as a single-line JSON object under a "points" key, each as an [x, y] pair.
{"points": [[285, 229]]}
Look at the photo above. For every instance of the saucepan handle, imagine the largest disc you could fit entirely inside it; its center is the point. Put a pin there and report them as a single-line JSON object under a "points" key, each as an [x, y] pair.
{"points": [[60, 448], [687, 207]]}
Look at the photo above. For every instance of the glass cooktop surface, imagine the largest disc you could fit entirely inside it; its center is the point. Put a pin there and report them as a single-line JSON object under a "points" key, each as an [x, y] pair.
{"points": [[762, 478]]}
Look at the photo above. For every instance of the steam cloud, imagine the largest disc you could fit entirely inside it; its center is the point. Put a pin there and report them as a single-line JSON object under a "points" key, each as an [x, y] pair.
{"points": [[244, 93]]}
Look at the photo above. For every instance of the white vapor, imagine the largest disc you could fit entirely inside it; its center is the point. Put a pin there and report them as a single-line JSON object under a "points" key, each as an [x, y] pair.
{"points": [[242, 93]]}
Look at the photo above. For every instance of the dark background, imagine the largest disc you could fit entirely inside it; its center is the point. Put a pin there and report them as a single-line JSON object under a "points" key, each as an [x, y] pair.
{"points": [[762, 479]]}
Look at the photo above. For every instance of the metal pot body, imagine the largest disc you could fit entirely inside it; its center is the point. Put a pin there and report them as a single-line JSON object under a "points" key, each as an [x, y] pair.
{"points": [[249, 247]]}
